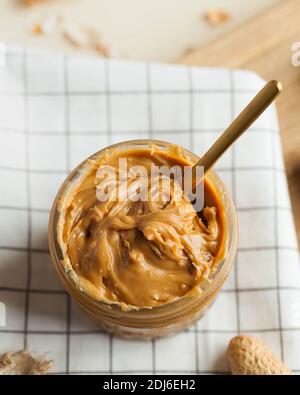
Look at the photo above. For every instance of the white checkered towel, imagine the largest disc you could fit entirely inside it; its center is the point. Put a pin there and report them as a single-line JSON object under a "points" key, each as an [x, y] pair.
{"points": [[55, 110]]}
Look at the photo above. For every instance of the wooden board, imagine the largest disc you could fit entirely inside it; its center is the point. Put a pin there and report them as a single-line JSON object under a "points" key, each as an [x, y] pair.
{"points": [[263, 44]]}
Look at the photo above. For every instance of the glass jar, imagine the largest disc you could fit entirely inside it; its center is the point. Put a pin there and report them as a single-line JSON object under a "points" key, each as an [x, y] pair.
{"points": [[170, 318]]}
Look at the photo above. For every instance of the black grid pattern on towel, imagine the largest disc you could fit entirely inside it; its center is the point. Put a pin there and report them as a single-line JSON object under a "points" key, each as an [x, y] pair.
{"points": [[66, 107]]}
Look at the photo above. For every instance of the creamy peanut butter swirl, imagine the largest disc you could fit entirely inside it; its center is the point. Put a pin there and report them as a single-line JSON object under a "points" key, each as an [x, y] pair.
{"points": [[134, 252]]}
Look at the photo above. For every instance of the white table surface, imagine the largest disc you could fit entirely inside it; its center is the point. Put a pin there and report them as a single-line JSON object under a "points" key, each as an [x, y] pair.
{"points": [[157, 30]]}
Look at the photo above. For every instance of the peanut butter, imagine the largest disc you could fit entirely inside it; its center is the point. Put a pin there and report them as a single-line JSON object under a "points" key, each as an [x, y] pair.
{"points": [[132, 252]]}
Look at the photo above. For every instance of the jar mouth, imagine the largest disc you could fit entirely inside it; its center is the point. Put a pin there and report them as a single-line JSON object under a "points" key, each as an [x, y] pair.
{"points": [[216, 278]]}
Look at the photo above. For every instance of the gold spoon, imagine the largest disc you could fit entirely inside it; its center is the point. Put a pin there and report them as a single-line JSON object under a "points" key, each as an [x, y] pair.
{"points": [[250, 113]]}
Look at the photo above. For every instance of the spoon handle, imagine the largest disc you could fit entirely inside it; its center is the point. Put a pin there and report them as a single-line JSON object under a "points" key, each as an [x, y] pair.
{"points": [[250, 113]]}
